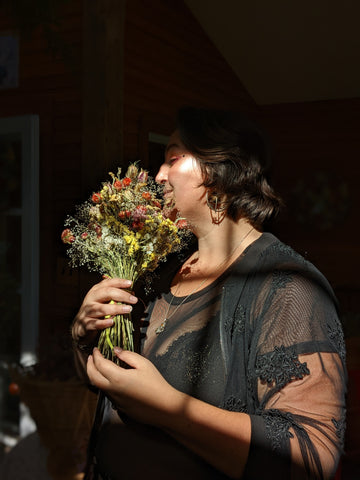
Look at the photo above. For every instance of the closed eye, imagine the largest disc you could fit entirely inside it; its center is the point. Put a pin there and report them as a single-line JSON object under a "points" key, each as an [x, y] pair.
{"points": [[173, 159]]}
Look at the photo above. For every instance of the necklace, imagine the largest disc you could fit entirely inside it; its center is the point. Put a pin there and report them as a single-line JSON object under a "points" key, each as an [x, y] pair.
{"points": [[162, 326]]}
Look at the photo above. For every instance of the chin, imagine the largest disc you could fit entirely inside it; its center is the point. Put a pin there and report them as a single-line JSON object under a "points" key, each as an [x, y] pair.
{"points": [[171, 213]]}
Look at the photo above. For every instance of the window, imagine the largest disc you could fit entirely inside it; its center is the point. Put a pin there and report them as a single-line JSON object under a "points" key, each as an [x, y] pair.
{"points": [[19, 255]]}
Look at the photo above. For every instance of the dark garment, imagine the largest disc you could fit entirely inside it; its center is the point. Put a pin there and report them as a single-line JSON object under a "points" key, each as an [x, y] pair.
{"points": [[263, 339]]}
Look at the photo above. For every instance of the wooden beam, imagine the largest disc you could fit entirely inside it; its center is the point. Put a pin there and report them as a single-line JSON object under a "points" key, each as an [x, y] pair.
{"points": [[102, 97]]}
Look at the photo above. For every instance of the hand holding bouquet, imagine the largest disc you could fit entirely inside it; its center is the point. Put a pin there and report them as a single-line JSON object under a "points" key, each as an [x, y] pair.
{"points": [[121, 232]]}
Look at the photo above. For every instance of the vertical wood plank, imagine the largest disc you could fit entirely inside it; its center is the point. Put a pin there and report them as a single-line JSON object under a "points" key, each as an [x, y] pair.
{"points": [[102, 97]]}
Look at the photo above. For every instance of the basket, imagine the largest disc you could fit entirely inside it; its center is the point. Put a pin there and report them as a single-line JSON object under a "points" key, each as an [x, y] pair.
{"points": [[63, 412]]}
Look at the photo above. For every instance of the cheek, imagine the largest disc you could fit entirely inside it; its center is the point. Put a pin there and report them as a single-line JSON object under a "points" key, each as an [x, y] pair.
{"points": [[187, 171]]}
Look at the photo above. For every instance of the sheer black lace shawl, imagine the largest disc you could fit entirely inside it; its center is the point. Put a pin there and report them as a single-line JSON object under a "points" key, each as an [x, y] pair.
{"points": [[280, 317], [284, 352]]}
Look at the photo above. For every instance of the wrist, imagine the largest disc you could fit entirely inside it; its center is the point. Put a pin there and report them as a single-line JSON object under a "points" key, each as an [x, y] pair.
{"points": [[82, 344], [176, 402]]}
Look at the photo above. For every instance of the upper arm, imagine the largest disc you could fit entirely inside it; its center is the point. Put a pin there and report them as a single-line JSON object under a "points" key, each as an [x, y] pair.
{"points": [[299, 366]]}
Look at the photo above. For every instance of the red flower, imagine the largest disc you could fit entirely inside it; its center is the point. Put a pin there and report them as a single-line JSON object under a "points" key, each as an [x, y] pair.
{"points": [[98, 231], [84, 235], [181, 224], [137, 225], [126, 181], [67, 236], [96, 198], [118, 185], [124, 214], [156, 203], [146, 195]]}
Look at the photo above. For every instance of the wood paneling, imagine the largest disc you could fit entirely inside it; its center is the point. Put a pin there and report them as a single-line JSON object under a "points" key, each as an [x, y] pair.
{"points": [[313, 137], [170, 62], [163, 61]]}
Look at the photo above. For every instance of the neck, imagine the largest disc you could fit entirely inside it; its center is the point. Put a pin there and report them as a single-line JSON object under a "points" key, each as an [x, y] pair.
{"points": [[221, 240], [219, 246]]}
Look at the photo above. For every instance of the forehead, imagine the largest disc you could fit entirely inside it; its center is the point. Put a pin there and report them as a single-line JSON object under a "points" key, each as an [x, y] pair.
{"points": [[174, 142]]}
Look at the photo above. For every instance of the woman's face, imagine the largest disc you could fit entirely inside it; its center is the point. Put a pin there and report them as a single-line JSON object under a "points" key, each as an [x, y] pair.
{"points": [[181, 177]]}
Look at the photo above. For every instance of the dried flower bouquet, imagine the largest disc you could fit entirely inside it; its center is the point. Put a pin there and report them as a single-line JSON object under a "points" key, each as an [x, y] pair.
{"points": [[121, 231]]}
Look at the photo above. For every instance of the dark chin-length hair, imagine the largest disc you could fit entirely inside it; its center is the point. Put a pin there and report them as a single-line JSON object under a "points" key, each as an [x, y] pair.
{"points": [[233, 157]]}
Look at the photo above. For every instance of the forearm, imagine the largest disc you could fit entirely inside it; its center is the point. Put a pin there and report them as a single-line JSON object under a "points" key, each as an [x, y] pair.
{"points": [[220, 437]]}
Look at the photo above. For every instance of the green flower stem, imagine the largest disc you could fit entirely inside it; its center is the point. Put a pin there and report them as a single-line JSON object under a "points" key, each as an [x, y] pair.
{"points": [[119, 334], [107, 333]]}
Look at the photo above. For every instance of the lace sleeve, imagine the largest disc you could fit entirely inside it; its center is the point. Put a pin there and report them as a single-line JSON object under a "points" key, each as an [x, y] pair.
{"points": [[300, 376]]}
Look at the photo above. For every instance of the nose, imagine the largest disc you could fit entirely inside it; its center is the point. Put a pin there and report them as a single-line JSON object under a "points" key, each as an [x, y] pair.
{"points": [[161, 176]]}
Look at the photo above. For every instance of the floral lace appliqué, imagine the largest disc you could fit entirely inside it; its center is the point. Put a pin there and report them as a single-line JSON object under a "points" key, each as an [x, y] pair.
{"points": [[337, 339], [236, 325], [278, 428], [340, 426], [281, 278], [285, 251], [280, 367], [234, 404]]}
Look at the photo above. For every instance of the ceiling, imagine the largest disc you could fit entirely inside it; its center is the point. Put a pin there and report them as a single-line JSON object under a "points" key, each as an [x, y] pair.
{"points": [[287, 50]]}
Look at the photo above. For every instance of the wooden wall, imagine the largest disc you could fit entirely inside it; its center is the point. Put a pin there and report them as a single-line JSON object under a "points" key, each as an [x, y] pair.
{"points": [[168, 62], [308, 139], [50, 86]]}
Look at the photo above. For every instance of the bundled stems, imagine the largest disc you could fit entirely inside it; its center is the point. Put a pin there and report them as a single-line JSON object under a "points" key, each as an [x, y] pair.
{"points": [[120, 334]]}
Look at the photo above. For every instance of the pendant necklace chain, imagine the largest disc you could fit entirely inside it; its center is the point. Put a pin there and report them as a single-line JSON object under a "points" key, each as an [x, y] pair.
{"points": [[162, 326]]}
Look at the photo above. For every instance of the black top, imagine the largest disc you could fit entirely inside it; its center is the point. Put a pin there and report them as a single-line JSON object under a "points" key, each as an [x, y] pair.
{"points": [[264, 339]]}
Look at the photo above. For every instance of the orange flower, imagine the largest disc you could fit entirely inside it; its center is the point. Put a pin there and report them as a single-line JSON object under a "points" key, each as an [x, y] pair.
{"points": [[181, 224], [124, 214], [126, 181], [96, 198], [156, 203], [67, 236], [146, 195], [118, 185]]}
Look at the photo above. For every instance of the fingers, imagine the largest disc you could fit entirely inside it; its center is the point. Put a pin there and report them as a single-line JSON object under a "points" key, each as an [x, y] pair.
{"points": [[108, 369], [103, 301], [110, 290], [132, 359], [102, 372], [95, 376]]}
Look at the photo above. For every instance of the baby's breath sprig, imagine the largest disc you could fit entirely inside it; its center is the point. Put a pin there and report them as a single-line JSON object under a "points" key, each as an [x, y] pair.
{"points": [[122, 232]]}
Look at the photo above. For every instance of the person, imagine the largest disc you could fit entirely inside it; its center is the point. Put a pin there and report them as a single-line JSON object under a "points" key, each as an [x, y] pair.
{"points": [[241, 364]]}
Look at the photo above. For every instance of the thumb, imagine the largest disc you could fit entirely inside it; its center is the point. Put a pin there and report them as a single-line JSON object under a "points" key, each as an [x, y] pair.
{"points": [[130, 358]]}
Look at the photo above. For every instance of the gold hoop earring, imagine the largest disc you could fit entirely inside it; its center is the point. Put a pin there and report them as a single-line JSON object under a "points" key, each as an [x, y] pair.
{"points": [[214, 203], [217, 207]]}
